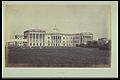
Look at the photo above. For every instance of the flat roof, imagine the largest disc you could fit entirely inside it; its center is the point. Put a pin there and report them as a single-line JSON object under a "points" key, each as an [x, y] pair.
{"points": [[35, 30]]}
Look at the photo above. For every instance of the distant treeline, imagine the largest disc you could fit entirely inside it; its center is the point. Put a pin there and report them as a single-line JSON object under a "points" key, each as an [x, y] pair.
{"points": [[96, 44]]}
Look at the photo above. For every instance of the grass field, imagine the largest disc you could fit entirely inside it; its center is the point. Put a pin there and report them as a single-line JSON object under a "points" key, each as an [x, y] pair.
{"points": [[57, 57]]}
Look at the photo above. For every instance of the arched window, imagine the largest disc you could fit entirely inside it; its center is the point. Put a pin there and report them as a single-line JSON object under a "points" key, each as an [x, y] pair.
{"points": [[34, 36], [33, 44], [30, 44], [37, 44]]}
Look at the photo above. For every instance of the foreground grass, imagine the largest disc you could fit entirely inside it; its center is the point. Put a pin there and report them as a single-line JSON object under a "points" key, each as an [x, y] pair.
{"points": [[58, 57]]}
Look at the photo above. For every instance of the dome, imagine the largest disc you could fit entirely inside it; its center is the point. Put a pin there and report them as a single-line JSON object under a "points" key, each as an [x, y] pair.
{"points": [[55, 30]]}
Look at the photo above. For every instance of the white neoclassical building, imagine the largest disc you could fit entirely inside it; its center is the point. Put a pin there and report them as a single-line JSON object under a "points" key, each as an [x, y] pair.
{"points": [[41, 38], [35, 37], [38, 38], [18, 40], [82, 37]]}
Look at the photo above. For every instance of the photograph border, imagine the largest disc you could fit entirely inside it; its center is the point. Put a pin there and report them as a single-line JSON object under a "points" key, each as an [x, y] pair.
{"points": [[35, 72]]}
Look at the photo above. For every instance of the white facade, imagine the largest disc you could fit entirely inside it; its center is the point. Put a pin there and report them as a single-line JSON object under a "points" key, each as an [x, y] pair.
{"points": [[38, 38], [82, 38], [86, 36], [68, 39], [41, 38], [35, 37], [17, 41]]}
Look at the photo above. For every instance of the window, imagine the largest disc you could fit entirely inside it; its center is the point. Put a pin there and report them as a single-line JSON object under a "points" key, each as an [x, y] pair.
{"points": [[40, 35], [25, 36], [37, 36], [37, 44], [54, 37], [60, 37], [33, 44], [34, 36], [48, 37], [30, 35], [30, 44], [63, 37], [15, 37]]}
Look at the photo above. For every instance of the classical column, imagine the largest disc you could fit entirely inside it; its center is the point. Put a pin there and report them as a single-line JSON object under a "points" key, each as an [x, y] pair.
{"points": [[43, 40], [58, 40], [54, 40], [35, 39], [40, 39], [31, 39], [43, 37], [51, 40]]}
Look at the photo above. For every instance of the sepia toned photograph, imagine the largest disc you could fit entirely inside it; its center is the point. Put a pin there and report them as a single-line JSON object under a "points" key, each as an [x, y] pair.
{"points": [[59, 39], [58, 36]]}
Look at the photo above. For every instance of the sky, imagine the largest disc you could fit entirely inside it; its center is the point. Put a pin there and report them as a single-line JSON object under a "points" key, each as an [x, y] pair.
{"points": [[67, 18]]}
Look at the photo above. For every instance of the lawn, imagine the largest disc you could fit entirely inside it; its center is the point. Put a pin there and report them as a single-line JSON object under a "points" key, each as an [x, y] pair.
{"points": [[57, 57]]}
